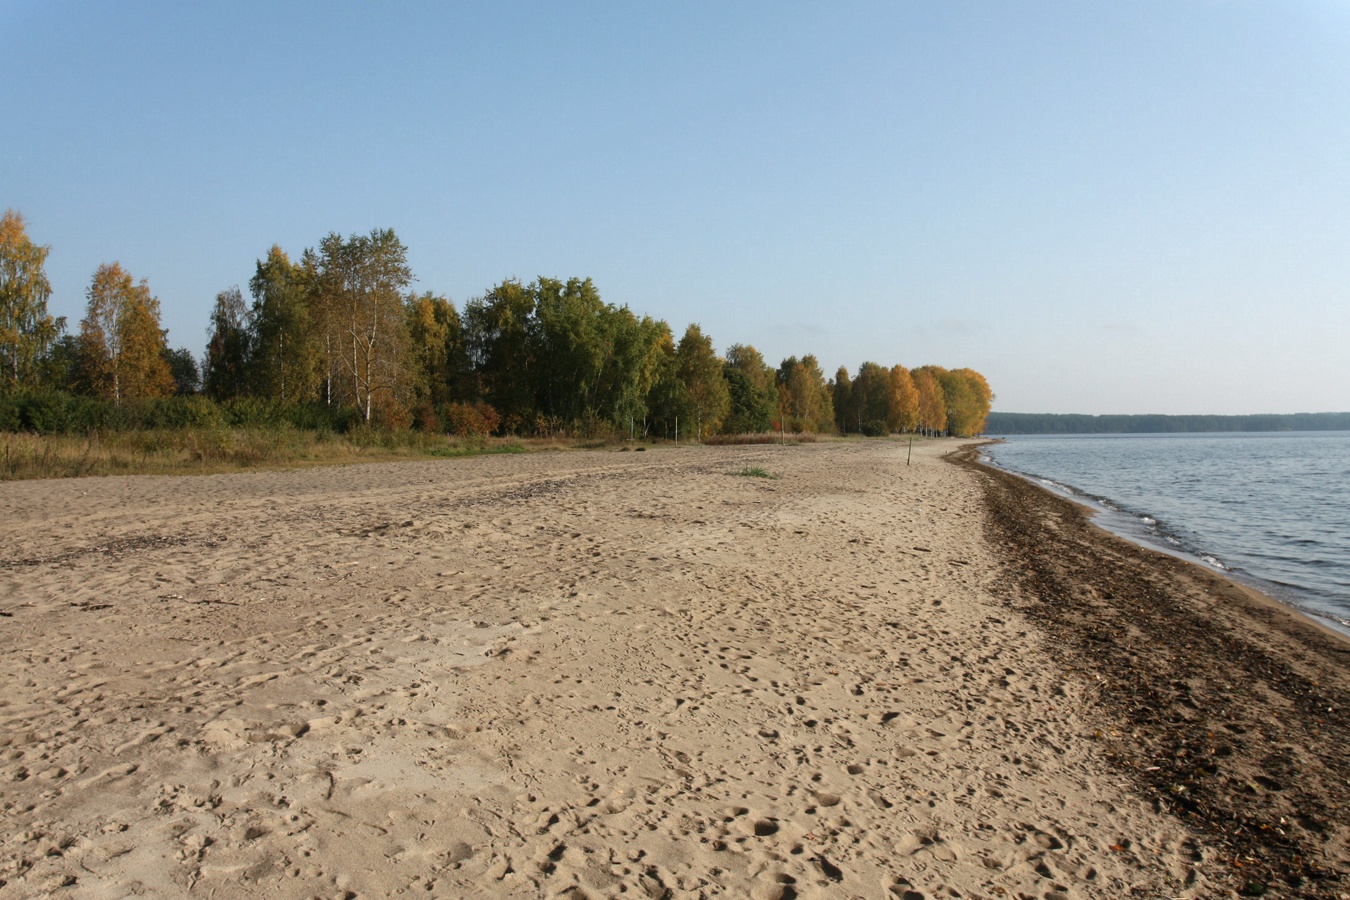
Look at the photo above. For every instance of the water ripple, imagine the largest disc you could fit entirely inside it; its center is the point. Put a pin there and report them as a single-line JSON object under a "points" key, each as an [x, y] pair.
{"points": [[1272, 509]]}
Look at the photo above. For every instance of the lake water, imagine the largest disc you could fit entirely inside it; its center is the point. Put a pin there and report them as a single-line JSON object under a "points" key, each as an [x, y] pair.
{"points": [[1272, 510]]}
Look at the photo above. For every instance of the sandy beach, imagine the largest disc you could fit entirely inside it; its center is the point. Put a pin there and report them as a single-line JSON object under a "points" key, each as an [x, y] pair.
{"points": [[646, 674]]}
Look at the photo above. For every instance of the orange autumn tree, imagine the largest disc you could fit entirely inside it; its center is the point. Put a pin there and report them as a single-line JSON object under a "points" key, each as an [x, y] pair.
{"points": [[932, 402], [902, 408]]}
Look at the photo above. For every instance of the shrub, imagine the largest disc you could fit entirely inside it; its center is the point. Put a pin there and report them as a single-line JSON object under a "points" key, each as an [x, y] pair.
{"points": [[192, 411], [592, 427], [465, 419], [55, 412], [255, 412], [11, 413], [425, 419], [389, 412], [47, 413]]}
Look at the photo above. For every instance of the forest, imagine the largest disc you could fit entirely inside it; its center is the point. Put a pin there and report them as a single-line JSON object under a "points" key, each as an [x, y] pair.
{"points": [[334, 338], [1049, 423]]}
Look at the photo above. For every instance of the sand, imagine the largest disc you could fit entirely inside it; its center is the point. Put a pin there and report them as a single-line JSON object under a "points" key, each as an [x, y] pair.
{"points": [[1227, 709], [600, 674]]}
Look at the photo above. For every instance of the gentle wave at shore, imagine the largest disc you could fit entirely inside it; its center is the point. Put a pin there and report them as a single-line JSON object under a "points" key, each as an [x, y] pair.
{"points": [[1269, 509]]}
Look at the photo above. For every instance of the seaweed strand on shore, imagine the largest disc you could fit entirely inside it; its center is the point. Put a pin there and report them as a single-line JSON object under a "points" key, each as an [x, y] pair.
{"points": [[1226, 711]]}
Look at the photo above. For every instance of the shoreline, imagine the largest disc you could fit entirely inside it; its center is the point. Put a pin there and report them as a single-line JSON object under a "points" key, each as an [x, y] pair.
{"points": [[1117, 522], [1230, 709]]}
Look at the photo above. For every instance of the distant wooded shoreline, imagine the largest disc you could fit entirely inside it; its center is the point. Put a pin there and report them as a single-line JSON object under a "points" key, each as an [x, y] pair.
{"points": [[1000, 423]]}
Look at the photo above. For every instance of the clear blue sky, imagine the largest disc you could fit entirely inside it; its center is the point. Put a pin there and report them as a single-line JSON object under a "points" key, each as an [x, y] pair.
{"points": [[1105, 207]]}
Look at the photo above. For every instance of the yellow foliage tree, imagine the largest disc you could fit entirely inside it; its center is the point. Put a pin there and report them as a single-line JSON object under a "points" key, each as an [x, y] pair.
{"points": [[932, 402], [968, 399], [25, 328], [121, 345], [902, 412], [805, 396]]}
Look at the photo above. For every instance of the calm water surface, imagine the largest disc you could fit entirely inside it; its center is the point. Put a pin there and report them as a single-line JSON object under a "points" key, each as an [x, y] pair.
{"points": [[1269, 509]]}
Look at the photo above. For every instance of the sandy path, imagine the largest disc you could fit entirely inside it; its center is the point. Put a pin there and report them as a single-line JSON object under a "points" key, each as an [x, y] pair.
{"points": [[580, 675]]}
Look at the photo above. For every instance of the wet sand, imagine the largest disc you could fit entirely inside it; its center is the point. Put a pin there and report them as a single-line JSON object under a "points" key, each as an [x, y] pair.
{"points": [[641, 675], [1226, 708]]}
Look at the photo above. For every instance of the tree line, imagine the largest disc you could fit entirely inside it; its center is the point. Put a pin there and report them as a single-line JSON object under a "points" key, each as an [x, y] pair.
{"points": [[1052, 423], [337, 335]]}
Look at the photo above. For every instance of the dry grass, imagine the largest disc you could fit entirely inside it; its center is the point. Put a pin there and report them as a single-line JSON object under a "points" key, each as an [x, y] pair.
{"points": [[213, 450], [205, 451], [801, 437]]}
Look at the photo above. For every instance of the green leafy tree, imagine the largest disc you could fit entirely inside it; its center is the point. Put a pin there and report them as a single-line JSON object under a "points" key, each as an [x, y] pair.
{"points": [[706, 396], [437, 337], [122, 347], [871, 399], [573, 343], [667, 400], [638, 389], [498, 335], [26, 330], [631, 371], [187, 376], [60, 365], [284, 346], [845, 409], [752, 390], [227, 347]]}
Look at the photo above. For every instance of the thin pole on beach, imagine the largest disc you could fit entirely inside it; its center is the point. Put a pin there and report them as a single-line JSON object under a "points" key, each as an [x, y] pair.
{"points": [[911, 450]]}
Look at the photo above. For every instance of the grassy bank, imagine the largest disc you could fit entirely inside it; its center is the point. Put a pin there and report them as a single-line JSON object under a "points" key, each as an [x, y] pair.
{"points": [[172, 451], [215, 449], [209, 451]]}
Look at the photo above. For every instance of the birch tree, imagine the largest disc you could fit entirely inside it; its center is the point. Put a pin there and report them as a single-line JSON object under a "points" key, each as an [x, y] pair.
{"points": [[437, 336], [968, 397], [227, 349], [932, 401], [871, 399], [705, 386], [805, 396], [121, 343], [284, 350], [902, 408], [26, 330], [361, 282]]}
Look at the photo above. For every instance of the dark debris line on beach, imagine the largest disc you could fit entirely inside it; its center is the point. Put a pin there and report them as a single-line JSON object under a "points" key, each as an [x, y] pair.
{"points": [[116, 549], [1232, 715]]}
